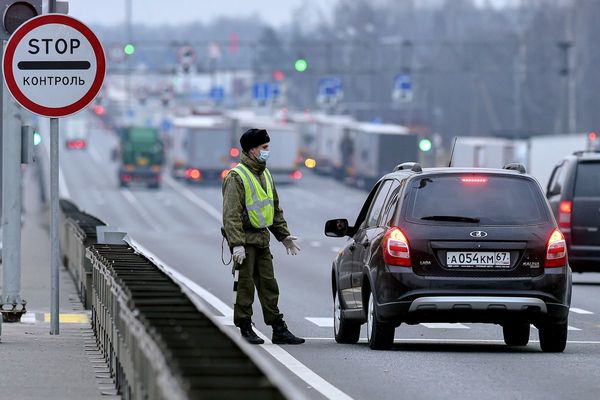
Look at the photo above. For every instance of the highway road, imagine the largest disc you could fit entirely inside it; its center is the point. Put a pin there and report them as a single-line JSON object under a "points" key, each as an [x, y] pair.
{"points": [[180, 224]]}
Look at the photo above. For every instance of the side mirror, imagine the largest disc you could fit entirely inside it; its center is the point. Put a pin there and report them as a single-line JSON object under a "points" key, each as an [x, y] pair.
{"points": [[554, 190], [336, 228]]}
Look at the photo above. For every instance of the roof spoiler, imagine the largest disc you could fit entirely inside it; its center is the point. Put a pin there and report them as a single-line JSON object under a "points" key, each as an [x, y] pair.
{"points": [[413, 166], [515, 167]]}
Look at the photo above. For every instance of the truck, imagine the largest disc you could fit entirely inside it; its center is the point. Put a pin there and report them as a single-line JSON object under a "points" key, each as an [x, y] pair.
{"points": [[75, 132], [330, 135], [487, 152], [203, 148], [544, 152], [285, 143], [371, 150], [141, 156]]}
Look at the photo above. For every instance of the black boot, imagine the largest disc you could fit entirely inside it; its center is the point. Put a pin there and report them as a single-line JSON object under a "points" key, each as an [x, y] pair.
{"points": [[281, 334], [248, 333]]}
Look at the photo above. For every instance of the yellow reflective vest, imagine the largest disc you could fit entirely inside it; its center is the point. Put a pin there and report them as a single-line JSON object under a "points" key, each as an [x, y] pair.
{"points": [[259, 203]]}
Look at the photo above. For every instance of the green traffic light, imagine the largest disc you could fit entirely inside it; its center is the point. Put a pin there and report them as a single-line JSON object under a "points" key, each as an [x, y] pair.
{"points": [[425, 145], [301, 65], [129, 49], [37, 138]]}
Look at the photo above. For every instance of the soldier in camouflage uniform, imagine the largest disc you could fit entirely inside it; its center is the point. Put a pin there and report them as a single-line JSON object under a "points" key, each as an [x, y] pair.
{"points": [[251, 212]]}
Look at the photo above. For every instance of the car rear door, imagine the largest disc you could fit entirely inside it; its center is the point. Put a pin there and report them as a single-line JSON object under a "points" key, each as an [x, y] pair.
{"points": [[585, 218]]}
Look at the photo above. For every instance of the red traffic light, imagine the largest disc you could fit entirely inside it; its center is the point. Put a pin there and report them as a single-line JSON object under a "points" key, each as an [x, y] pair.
{"points": [[278, 75]]}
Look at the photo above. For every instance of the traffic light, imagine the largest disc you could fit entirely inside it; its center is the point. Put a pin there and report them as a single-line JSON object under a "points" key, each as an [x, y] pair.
{"points": [[425, 145], [301, 65], [278, 75], [129, 49], [37, 138], [16, 13]]}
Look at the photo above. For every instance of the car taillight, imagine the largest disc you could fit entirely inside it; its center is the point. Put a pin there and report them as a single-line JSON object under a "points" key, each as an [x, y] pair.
{"points": [[556, 250], [396, 250], [193, 174], [565, 209], [296, 175]]}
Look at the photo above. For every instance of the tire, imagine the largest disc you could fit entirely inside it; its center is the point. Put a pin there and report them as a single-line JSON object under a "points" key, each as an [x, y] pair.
{"points": [[379, 335], [344, 331], [516, 334], [553, 337]]}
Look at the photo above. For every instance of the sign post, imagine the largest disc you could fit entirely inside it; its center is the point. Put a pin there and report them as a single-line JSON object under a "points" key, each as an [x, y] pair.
{"points": [[54, 66]]}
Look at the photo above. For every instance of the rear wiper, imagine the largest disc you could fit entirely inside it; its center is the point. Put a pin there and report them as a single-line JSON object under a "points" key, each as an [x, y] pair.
{"points": [[453, 218]]}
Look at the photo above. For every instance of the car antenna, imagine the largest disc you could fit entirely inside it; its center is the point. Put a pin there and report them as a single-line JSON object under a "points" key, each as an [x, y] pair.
{"points": [[452, 151]]}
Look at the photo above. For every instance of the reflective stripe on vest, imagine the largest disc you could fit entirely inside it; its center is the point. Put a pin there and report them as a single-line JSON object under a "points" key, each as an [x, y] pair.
{"points": [[259, 204]]}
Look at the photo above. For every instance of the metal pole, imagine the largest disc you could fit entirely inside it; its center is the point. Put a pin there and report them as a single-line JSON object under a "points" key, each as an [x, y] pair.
{"points": [[54, 261], [51, 6], [12, 304]]}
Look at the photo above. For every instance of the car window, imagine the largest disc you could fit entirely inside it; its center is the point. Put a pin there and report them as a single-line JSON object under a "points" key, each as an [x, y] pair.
{"points": [[587, 183], [365, 208], [375, 211], [557, 177], [485, 199], [390, 204]]}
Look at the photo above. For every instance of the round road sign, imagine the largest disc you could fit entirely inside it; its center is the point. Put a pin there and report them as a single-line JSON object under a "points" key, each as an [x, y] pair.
{"points": [[54, 65]]}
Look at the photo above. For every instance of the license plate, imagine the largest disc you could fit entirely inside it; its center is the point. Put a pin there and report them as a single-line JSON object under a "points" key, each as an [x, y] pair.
{"points": [[478, 259]]}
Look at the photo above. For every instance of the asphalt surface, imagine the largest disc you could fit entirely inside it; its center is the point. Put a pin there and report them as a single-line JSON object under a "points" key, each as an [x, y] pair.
{"points": [[180, 224]]}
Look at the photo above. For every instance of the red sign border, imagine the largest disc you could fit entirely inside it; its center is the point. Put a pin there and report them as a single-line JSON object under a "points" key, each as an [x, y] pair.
{"points": [[9, 53]]}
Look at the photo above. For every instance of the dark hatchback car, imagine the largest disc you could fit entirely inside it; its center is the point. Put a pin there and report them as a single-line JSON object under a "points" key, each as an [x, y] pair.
{"points": [[452, 245], [574, 196]]}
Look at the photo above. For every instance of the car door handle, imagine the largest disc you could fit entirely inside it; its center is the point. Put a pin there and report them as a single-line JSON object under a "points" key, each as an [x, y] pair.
{"points": [[352, 247]]}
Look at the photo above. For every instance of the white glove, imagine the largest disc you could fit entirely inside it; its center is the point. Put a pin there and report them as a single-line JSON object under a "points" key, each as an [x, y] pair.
{"points": [[291, 247], [239, 254]]}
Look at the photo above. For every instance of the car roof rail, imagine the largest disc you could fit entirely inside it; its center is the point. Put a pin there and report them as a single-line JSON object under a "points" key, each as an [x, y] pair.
{"points": [[515, 167], [413, 166]]}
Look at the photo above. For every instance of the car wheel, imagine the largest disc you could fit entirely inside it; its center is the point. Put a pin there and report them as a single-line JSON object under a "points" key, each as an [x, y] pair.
{"points": [[553, 337], [344, 331], [516, 334], [379, 335]]}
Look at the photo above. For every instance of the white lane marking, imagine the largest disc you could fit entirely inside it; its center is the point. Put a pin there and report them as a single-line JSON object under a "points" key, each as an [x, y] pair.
{"points": [[581, 311], [285, 358], [364, 339], [321, 322], [225, 320], [95, 155], [444, 326], [188, 194], [569, 328], [28, 318], [139, 208], [315, 244]]}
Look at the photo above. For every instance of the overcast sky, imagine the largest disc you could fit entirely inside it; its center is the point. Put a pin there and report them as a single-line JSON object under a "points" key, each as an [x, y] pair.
{"points": [[153, 12]]}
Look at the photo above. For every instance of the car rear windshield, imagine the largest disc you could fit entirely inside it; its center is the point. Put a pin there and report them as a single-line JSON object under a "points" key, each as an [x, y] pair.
{"points": [[587, 183], [484, 199]]}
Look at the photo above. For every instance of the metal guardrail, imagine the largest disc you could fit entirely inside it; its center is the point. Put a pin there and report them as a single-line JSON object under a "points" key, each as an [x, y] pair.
{"points": [[78, 232], [157, 342]]}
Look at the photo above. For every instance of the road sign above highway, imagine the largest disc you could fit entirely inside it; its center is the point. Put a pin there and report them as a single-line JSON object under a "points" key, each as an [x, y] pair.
{"points": [[54, 65]]}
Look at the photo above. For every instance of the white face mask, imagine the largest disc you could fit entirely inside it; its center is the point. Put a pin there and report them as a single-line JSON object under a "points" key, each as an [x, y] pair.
{"points": [[264, 155]]}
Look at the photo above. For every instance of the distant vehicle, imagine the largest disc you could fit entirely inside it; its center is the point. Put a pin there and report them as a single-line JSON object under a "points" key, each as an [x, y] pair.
{"points": [[327, 147], [452, 245], [75, 132], [546, 151], [488, 152], [370, 150], [285, 144], [573, 192], [141, 156], [203, 148]]}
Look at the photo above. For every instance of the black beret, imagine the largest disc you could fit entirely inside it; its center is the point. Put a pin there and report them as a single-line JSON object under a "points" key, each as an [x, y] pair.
{"points": [[253, 138]]}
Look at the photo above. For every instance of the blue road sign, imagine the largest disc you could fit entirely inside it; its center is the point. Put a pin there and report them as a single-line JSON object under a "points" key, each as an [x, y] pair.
{"points": [[264, 91], [403, 83], [330, 86], [217, 93]]}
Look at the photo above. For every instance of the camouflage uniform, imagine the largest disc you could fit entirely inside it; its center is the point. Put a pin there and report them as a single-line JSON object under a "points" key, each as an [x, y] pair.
{"points": [[257, 268]]}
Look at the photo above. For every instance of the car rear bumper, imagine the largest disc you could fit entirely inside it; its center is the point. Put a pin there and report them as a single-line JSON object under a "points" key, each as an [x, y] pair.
{"points": [[407, 297]]}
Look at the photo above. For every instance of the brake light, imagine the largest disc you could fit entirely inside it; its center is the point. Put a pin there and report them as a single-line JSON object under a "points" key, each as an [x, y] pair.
{"points": [[396, 250], [565, 209], [233, 152], [224, 174], [556, 250], [193, 174], [296, 175], [474, 180]]}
